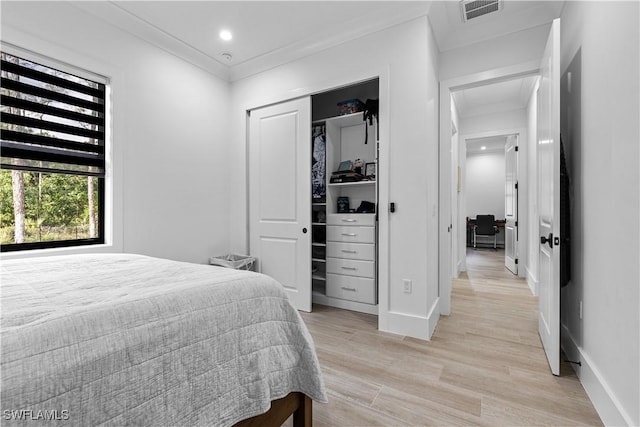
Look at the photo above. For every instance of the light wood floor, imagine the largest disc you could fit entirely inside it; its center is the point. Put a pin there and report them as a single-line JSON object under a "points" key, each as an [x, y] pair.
{"points": [[484, 365]]}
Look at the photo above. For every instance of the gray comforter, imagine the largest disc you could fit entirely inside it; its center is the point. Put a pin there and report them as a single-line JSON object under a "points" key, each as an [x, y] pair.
{"points": [[131, 340]]}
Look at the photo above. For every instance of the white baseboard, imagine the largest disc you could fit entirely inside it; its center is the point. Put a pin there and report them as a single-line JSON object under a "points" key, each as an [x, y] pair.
{"points": [[434, 316], [532, 282], [411, 325], [604, 400]]}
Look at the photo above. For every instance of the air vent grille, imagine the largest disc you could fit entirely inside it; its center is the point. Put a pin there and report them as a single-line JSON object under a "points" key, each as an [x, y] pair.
{"points": [[475, 8]]}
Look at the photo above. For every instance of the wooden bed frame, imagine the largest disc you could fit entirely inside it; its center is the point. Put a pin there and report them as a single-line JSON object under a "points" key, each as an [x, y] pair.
{"points": [[296, 403]]}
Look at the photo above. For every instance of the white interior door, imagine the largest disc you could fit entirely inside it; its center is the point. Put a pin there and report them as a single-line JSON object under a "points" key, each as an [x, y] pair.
{"points": [[548, 146], [280, 196], [511, 204]]}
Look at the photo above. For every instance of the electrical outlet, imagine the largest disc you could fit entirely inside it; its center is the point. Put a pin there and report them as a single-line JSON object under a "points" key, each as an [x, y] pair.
{"points": [[407, 286]]}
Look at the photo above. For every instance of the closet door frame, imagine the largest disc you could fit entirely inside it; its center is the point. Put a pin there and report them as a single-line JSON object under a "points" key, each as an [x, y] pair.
{"points": [[382, 74]]}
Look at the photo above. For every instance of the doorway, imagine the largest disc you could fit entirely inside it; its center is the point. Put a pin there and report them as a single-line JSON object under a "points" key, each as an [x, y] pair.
{"points": [[543, 115], [489, 189], [472, 104], [483, 191], [490, 154]]}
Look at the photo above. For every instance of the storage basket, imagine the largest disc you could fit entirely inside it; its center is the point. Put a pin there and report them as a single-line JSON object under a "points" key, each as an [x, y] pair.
{"points": [[237, 262]]}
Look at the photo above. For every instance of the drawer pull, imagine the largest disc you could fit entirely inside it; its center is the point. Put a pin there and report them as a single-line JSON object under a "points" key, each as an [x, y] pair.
{"points": [[344, 288], [349, 252], [349, 268], [349, 234], [348, 220]]}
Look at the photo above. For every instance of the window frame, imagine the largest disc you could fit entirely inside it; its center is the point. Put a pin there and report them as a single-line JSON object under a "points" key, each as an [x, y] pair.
{"points": [[101, 178]]}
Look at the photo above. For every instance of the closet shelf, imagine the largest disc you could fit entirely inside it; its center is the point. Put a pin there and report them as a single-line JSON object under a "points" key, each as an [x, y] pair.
{"points": [[349, 184], [347, 120]]}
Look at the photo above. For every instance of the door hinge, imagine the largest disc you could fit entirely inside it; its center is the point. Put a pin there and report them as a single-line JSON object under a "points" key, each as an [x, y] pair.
{"points": [[516, 148], [516, 260], [516, 185], [516, 223]]}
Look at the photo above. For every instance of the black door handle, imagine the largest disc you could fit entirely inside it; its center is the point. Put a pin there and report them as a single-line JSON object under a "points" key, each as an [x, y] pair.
{"points": [[548, 239], [304, 230]]}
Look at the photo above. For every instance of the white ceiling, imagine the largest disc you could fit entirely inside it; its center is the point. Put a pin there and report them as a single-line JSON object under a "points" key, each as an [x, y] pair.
{"points": [[270, 33], [265, 33], [452, 32], [494, 98], [259, 28], [492, 144]]}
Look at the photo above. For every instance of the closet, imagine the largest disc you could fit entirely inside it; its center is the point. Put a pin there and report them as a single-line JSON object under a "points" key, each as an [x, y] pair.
{"points": [[313, 197], [344, 200]]}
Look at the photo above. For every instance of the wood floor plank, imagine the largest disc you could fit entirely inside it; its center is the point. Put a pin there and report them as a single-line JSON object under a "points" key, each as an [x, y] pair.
{"points": [[350, 387], [484, 366], [505, 412], [339, 412], [413, 409]]}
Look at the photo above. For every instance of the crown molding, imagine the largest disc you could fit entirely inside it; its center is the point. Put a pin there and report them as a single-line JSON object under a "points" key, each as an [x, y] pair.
{"points": [[369, 22], [366, 24], [116, 16]]}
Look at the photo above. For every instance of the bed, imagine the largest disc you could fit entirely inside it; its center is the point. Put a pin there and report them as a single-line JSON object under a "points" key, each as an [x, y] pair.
{"points": [[120, 339]]}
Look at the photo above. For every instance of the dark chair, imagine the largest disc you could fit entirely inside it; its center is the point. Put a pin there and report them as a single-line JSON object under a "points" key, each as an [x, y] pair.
{"points": [[485, 226]]}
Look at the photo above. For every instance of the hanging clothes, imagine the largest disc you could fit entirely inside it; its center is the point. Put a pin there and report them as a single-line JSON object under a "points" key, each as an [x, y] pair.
{"points": [[318, 164]]}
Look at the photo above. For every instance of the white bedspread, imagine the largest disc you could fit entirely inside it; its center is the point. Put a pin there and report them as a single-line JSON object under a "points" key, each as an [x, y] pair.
{"points": [[114, 339]]}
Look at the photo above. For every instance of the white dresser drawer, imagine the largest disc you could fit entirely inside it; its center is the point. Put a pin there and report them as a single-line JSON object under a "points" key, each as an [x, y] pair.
{"points": [[351, 288], [351, 219], [351, 267], [351, 234], [363, 251]]}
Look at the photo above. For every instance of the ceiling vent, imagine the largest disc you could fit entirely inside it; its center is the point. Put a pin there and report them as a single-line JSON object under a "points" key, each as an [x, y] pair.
{"points": [[474, 8]]}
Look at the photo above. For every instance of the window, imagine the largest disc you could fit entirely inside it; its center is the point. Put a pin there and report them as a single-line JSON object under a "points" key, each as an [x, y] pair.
{"points": [[52, 168]]}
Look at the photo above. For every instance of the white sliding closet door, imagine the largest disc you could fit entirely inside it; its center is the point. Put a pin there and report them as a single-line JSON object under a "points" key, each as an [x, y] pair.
{"points": [[280, 195]]}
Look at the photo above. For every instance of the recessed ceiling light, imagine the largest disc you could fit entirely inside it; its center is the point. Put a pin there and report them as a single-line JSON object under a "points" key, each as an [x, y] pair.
{"points": [[483, 148], [226, 35]]}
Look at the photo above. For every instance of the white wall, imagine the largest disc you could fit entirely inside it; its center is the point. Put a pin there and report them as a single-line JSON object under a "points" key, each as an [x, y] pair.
{"points": [[515, 48], [493, 123], [485, 182], [602, 137], [406, 58], [170, 170]]}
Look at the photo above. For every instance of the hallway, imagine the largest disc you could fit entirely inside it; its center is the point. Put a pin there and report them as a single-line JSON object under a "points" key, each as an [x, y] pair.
{"points": [[484, 366]]}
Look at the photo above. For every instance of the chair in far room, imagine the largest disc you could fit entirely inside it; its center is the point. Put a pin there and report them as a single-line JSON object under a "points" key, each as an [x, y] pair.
{"points": [[485, 226]]}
